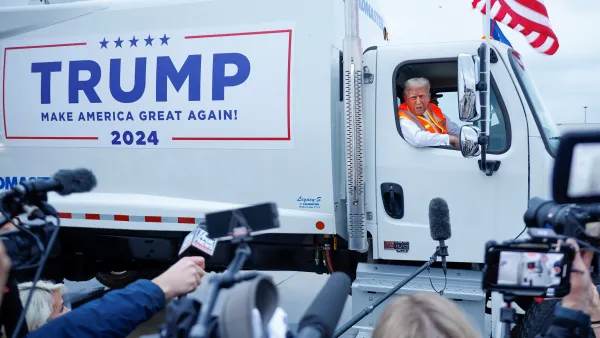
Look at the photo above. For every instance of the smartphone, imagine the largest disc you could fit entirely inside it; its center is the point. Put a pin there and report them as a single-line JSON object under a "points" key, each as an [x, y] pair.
{"points": [[528, 269], [251, 220]]}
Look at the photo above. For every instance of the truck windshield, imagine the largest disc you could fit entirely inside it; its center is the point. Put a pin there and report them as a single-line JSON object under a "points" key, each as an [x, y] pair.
{"points": [[548, 129]]}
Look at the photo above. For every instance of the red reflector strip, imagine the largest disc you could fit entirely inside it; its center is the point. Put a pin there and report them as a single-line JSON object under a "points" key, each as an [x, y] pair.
{"points": [[92, 216], [122, 218], [131, 218]]}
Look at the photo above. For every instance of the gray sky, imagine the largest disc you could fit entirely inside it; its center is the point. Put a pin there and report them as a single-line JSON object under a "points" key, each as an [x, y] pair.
{"points": [[566, 80]]}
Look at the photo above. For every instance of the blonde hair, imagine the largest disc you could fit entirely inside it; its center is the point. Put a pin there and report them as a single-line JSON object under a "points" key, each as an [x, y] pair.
{"points": [[40, 309], [423, 314]]}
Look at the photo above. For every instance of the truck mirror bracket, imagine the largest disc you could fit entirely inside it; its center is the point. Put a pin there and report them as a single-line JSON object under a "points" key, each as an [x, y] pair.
{"points": [[491, 166]]}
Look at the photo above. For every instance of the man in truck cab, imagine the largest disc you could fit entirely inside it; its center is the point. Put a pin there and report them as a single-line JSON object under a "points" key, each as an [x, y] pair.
{"points": [[422, 123]]}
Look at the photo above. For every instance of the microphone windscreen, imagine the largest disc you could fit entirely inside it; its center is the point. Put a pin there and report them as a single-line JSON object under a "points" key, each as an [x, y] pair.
{"points": [[326, 309], [439, 219], [74, 181]]}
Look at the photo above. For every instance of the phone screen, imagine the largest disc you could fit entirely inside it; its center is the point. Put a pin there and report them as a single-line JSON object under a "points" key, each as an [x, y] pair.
{"points": [[530, 269]]}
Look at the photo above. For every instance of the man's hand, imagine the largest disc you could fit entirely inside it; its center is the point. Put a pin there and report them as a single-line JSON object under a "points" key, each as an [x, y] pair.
{"points": [[581, 296], [454, 141], [181, 278]]}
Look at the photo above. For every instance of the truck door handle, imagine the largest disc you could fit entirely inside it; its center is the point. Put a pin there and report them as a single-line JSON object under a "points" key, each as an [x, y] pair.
{"points": [[393, 199]]}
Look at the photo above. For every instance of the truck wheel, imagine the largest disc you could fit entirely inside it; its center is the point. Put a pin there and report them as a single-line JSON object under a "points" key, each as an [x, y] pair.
{"points": [[120, 279], [117, 279], [538, 318]]}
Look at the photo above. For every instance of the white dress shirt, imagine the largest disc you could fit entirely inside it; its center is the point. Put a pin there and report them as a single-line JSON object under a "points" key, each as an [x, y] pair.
{"points": [[419, 138]]}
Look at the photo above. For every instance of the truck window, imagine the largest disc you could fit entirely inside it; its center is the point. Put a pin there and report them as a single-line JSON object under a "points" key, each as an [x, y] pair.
{"points": [[443, 79], [543, 119]]}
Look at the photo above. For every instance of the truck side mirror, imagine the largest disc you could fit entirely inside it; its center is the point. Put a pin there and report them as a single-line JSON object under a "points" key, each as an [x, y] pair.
{"points": [[469, 109], [469, 141]]}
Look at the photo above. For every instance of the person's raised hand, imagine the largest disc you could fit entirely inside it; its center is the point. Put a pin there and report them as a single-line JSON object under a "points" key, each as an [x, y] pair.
{"points": [[582, 288], [181, 278]]}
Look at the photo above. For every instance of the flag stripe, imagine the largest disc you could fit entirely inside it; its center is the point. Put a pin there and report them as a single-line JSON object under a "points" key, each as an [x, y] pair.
{"points": [[526, 12], [529, 17], [534, 6]]}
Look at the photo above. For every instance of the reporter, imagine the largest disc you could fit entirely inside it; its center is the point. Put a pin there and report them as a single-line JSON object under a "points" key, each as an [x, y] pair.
{"points": [[572, 315], [119, 312], [46, 303], [423, 314]]}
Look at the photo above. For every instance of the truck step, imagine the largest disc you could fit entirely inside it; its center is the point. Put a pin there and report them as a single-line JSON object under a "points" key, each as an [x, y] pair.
{"points": [[374, 280]]}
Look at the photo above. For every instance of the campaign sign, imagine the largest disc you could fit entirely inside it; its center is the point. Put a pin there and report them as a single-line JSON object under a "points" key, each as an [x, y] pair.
{"points": [[156, 89]]}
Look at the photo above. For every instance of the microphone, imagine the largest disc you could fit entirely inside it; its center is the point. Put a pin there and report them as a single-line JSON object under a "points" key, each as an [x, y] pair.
{"points": [[439, 226], [323, 314], [64, 182], [196, 242]]}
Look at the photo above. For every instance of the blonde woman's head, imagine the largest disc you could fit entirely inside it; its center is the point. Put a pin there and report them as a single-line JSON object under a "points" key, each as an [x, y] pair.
{"points": [[46, 303], [423, 314]]}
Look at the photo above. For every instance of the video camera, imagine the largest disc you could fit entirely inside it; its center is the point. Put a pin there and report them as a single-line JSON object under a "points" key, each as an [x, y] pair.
{"points": [[541, 265], [31, 243]]}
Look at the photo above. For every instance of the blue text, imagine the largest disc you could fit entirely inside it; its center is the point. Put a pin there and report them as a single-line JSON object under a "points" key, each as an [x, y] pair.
{"points": [[8, 182], [369, 11], [128, 138], [167, 74]]}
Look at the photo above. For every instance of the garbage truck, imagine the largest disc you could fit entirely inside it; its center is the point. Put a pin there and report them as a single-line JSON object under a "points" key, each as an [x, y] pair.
{"points": [[186, 107]]}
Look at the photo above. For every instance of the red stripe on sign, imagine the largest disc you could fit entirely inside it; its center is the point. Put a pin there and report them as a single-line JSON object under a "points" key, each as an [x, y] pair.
{"points": [[123, 218], [65, 215], [92, 216], [155, 219], [186, 220], [288, 104]]}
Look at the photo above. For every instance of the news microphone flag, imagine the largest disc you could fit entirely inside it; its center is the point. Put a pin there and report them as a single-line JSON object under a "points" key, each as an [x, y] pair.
{"points": [[528, 17]]}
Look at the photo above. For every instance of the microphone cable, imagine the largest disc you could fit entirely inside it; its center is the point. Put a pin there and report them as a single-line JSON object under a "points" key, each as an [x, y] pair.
{"points": [[441, 292]]}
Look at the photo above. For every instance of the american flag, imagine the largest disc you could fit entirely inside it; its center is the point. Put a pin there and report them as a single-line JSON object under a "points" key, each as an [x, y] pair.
{"points": [[529, 17]]}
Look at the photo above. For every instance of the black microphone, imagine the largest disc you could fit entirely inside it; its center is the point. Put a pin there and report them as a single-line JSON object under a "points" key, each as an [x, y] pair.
{"points": [[64, 182], [322, 316], [439, 226]]}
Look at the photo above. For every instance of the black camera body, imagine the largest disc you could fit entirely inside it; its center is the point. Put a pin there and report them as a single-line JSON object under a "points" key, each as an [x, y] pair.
{"points": [[25, 246]]}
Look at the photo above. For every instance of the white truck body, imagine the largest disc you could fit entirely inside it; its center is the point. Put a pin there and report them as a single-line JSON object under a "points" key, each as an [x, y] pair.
{"points": [[272, 75]]}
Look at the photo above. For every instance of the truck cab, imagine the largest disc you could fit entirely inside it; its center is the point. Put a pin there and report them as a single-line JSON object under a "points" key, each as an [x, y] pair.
{"points": [[403, 179]]}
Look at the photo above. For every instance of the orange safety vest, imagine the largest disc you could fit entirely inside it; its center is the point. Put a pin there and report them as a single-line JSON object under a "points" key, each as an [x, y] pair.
{"points": [[434, 113]]}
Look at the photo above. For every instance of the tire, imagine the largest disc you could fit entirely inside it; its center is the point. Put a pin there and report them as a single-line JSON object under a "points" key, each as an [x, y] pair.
{"points": [[538, 318], [119, 280]]}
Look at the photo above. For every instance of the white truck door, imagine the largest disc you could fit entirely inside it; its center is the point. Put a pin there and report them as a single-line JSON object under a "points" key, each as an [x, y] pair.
{"points": [[407, 178]]}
